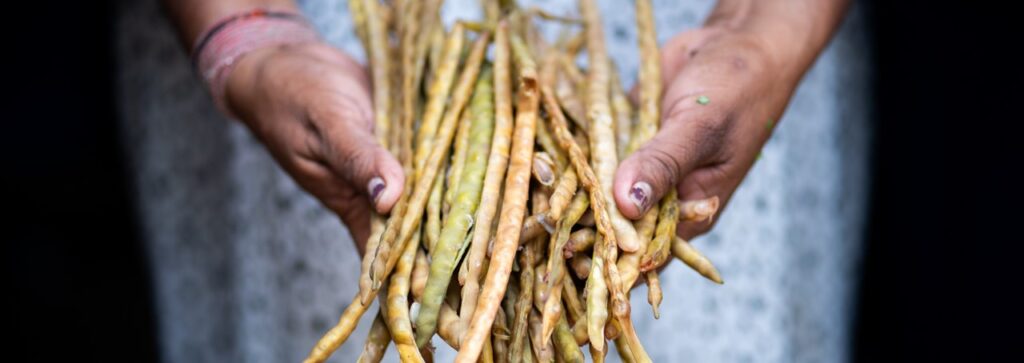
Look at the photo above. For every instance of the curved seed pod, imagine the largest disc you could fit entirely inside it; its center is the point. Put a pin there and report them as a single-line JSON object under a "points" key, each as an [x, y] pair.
{"points": [[571, 297], [524, 302], [534, 226], [562, 195], [487, 354], [611, 330], [446, 253], [580, 241], [579, 331], [623, 112], [565, 343], [566, 92], [513, 210], [499, 337], [693, 258], [599, 116], [544, 168], [575, 43], [698, 210], [654, 295], [659, 250], [542, 349], [397, 304], [376, 343], [548, 144], [541, 294], [339, 333], [624, 353], [581, 265], [598, 354], [420, 271], [358, 13], [432, 225], [650, 81], [628, 333], [378, 56], [555, 271], [597, 303], [458, 158], [435, 45], [497, 164], [448, 326], [437, 97]]}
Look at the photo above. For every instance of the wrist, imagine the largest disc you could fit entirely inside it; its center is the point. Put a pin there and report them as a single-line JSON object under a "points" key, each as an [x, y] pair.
{"points": [[790, 32], [220, 48]]}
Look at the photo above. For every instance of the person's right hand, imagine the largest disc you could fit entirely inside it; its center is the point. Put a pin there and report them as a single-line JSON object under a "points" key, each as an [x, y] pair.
{"points": [[310, 105]]}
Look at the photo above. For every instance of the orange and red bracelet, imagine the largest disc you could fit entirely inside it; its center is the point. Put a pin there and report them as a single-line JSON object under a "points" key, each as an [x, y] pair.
{"points": [[219, 47]]}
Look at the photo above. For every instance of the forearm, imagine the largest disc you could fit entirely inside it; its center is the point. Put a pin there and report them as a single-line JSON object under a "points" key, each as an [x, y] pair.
{"points": [[192, 17], [792, 32]]}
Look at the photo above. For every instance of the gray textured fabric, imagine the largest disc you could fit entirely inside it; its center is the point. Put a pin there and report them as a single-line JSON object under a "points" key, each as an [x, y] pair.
{"points": [[249, 268]]}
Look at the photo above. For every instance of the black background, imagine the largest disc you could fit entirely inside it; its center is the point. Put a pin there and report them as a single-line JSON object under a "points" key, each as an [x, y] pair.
{"points": [[940, 272]]}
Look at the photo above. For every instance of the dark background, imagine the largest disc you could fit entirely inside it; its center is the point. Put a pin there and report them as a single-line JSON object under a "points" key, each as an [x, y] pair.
{"points": [[940, 272]]}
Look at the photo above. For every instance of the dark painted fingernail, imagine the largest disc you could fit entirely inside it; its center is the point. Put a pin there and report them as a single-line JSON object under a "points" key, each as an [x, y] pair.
{"points": [[376, 186], [640, 195]]}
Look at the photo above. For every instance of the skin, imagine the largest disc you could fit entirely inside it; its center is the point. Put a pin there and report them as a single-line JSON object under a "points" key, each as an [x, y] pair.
{"points": [[311, 107], [747, 60]]}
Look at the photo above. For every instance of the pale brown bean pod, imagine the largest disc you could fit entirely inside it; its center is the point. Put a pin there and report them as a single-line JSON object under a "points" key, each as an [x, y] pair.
{"points": [[376, 342], [420, 272], [581, 265], [432, 225], [654, 295], [437, 97], [623, 348], [580, 241], [698, 210], [548, 144], [397, 304], [682, 250], [448, 326], [659, 250], [459, 152], [544, 169], [622, 110], [562, 195], [542, 349]]}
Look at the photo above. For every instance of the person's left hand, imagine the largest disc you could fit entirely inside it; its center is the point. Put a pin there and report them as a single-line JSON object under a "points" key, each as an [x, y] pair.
{"points": [[724, 90]]}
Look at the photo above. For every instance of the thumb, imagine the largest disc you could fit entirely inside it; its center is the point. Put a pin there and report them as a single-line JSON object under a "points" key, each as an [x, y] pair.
{"points": [[355, 155], [646, 175]]}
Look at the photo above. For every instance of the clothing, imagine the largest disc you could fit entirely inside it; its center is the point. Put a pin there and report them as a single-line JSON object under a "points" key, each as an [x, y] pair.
{"points": [[247, 267]]}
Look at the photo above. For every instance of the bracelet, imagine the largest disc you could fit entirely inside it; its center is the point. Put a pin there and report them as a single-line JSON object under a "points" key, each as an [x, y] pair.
{"points": [[219, 47]]}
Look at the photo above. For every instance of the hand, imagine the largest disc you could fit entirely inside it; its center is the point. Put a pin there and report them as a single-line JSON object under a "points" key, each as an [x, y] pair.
{"points": [[310, 105], [703, 148]]}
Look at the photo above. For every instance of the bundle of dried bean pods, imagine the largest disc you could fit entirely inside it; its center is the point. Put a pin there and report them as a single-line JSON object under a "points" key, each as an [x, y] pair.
{"points": [[507, 211]]}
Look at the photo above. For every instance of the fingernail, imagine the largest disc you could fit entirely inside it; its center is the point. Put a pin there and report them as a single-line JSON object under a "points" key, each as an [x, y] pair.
{"points": [[640, 195], [375, 187]]}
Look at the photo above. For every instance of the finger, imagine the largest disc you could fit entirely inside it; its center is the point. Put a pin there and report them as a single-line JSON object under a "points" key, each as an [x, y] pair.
{"points": [[703, 183], [335, 194], [356, 217], [353, 153], [687, 137]]}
